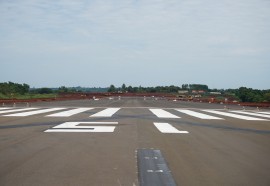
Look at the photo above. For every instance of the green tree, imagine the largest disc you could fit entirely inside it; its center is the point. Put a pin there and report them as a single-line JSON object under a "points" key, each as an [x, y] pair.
{"points": [[267, 96], [130, 89], [112, 88], [13, 88], [62, 89], [185, 87], [44, 91], [198, 87], [124, 87]]}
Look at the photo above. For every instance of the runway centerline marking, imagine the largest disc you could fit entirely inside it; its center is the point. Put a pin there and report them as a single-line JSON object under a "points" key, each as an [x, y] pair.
{"points": [[163, 114]]}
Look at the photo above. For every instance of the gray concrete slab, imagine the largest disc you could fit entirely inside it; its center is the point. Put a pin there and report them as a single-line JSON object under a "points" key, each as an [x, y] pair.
{"points": [[153, 169]]}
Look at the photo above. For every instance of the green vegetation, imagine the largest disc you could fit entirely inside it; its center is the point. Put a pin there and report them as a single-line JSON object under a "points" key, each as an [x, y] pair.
{"points": [[159, 89], [242, 94], [10, 90], [252, 95], [29, 96]]}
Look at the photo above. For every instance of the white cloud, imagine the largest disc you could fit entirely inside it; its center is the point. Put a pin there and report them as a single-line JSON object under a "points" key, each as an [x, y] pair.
{"points": [[154, 34]]}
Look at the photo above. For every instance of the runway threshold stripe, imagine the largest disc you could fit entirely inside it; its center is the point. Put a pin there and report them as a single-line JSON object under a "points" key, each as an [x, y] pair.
{"points": [[168, 128], [252, 114], [69, 112], [16, 110], [4, 108], [106, 113], [264, 112], [163, 114], [35, 112], [197, 114], [235, 115]]}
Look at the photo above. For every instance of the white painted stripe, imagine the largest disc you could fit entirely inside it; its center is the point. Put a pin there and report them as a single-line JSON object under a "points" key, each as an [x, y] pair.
{"points": [[264, 112], [96, 129], [106, 113], [252, 114], [163, 114], [73, 125], [167, 128], [69, 112], [234, 115], [35, 112], [16, 110], [197, 114], [4, 108]]}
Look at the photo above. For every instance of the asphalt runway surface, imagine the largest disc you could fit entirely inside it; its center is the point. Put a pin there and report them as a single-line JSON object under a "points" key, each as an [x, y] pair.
{"points": [[87, 142]]}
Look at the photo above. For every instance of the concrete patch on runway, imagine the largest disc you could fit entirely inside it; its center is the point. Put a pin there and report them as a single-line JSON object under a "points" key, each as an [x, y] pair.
{"points": [[153, 169]]}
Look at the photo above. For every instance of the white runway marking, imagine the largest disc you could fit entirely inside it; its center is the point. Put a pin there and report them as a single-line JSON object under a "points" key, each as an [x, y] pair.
{"points": [[264, 112], [69, 112], [106, 113], [252, 114], [16, 110], [234, 115], [94, 129], [197, 114], [73, 127], [163, 114], [35, 112], [168, 128], [4, 108]]}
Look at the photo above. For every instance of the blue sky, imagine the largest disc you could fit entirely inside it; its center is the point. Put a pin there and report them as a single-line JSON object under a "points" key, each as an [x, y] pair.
{"points": [[47, 43]]}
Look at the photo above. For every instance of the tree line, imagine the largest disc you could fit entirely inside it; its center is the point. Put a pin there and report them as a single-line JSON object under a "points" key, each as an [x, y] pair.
{"points": [[244, 94], [10, 88], [252, 95], [157, 89]]}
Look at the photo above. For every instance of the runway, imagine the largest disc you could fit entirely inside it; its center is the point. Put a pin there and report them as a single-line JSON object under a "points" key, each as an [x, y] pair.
{"points": [[87, 142]]}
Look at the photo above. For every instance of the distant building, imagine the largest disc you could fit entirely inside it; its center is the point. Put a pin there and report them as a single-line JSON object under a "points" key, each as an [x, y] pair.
{"points": [[215, 93], [182, 91], [198, 91]]}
